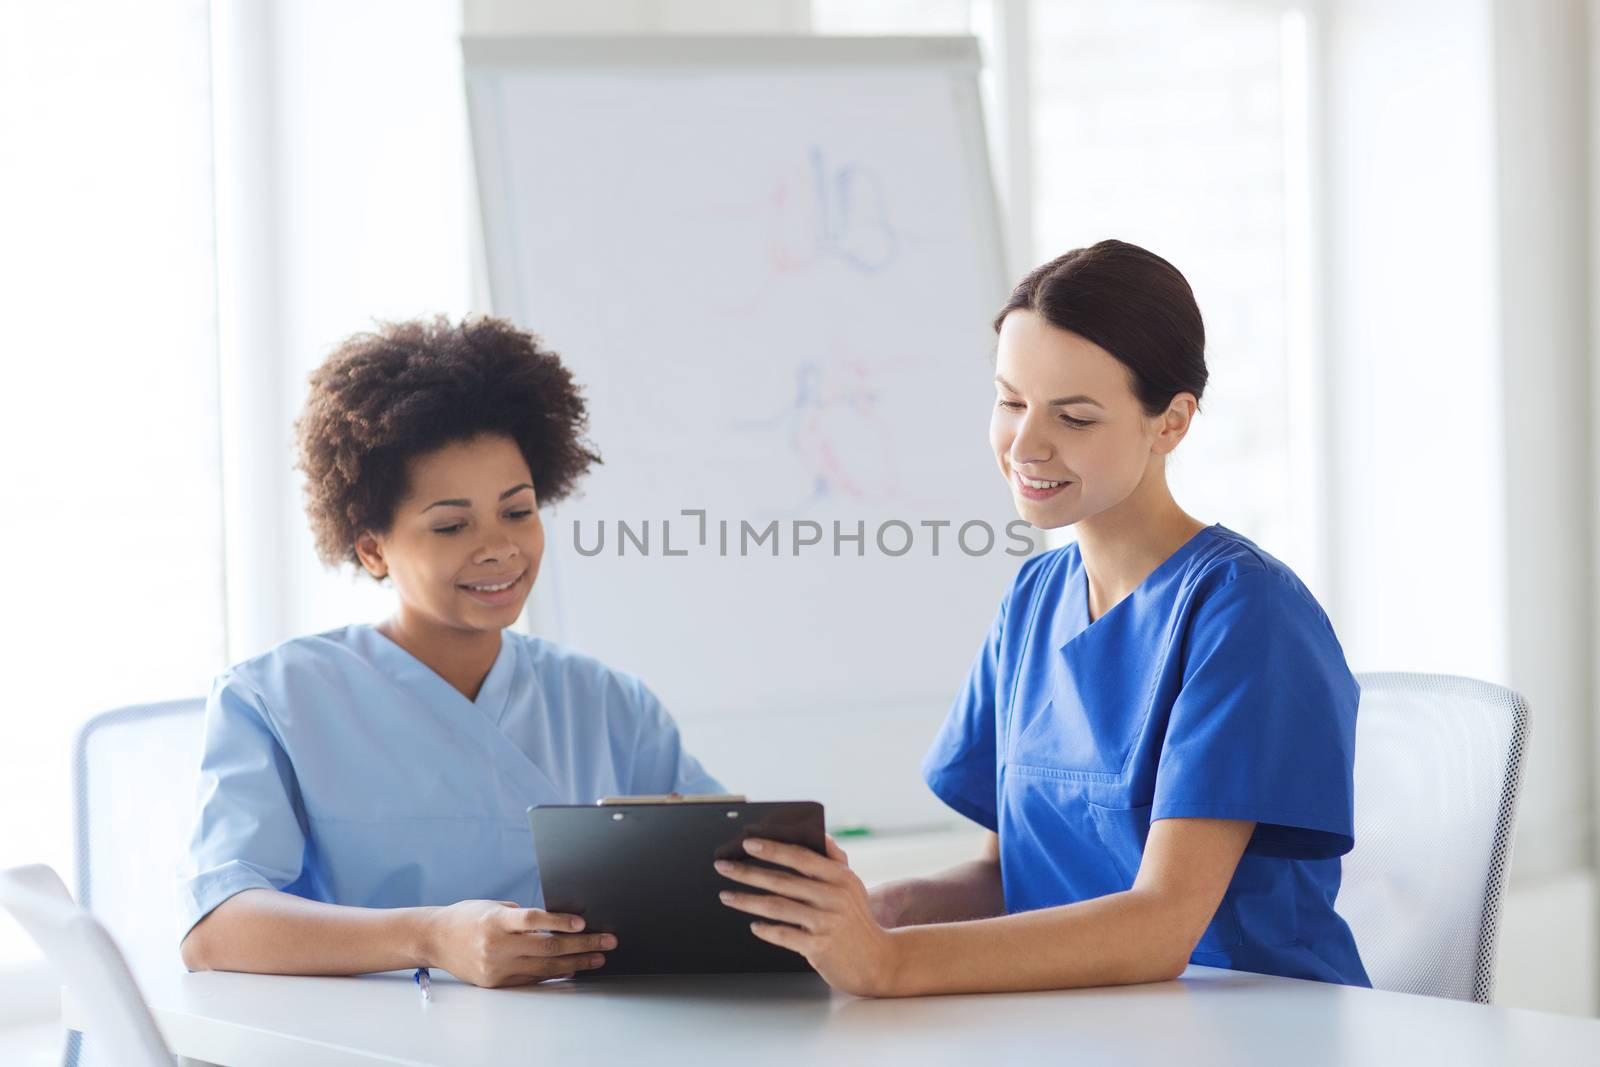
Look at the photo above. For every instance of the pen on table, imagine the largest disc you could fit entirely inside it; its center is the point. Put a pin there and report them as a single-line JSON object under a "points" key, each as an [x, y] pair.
{"points": [[423, 985]]}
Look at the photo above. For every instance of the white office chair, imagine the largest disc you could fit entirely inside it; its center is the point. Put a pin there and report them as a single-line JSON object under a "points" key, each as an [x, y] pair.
{"points": [[134, 776], [1438, 768], [84, 955]]}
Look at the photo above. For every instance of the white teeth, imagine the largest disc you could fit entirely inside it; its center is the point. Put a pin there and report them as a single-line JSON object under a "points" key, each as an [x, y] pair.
{"points": [[1032, 483], [492, 588]]}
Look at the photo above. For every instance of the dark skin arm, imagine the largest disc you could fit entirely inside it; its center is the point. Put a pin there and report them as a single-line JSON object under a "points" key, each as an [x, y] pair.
{"points": [[485, 942]]}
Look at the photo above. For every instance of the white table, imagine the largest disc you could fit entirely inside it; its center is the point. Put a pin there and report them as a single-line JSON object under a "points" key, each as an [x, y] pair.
{"points": [[1207, 1017]]}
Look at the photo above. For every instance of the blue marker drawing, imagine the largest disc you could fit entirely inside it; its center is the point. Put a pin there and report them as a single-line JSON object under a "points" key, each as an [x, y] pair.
{"points": [[850, 218], [853, 215], [805, 422]]}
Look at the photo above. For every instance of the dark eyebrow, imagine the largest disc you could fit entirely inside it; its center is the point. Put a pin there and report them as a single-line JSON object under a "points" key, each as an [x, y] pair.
{"points": [[1078, 398], [458, 503]]}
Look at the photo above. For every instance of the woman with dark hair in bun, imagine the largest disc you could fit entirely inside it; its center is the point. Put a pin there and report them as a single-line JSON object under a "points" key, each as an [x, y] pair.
{"points": [[1158, 733], [364, 791]]}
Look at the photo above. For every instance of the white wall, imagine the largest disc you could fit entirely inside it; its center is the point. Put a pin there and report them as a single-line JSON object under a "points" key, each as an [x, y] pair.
{"points": [[1541, 86], [1411, 336], [342, 142], [1458, 349], [1457, 344]]}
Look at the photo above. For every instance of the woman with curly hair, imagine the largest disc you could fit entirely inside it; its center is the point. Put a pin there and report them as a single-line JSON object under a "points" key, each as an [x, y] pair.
{"points": [[363, 791]]}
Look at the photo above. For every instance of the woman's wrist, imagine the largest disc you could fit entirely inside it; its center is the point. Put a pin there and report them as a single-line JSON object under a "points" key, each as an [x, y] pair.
{"points": [[899, 976], [421, 935]]}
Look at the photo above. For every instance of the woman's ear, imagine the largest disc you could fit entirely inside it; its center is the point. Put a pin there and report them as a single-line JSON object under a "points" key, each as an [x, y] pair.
{"points": [[370, 552], [1173, 424]]}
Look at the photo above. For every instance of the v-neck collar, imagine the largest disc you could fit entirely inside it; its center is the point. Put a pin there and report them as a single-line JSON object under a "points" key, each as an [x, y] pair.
{"points": [[1077, 608], [493, 695]]}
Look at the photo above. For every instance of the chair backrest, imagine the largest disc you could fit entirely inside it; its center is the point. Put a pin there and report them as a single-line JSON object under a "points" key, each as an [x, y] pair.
{"points": [[1438, 768], [135, 772], [83, 954]]}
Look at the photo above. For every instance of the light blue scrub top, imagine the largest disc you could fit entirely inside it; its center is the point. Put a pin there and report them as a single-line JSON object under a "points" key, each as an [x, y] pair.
{"points": [[1217, 689], [340, 768]]}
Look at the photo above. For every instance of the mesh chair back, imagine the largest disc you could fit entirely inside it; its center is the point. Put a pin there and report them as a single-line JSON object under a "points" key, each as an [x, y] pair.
{"points": [[134, 778], [1438, 768], [84, 955]]}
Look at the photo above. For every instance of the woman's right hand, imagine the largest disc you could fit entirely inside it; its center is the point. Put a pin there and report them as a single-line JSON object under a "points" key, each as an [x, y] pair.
{"points": [[496, 943]]}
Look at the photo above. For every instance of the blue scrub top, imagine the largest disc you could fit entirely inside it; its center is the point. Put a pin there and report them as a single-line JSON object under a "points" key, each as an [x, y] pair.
{"points": [[341, 768], [1217, 690]]}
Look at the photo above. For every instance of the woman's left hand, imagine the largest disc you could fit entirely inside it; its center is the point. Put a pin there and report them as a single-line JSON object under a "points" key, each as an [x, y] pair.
{"points": [[826, 909]]}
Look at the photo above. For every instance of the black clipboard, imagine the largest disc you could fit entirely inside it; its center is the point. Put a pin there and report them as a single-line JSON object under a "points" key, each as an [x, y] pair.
{"points": [[644, 872]]}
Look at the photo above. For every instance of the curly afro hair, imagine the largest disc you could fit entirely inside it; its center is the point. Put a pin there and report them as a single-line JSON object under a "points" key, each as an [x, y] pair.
{"points": [[410, 388]]}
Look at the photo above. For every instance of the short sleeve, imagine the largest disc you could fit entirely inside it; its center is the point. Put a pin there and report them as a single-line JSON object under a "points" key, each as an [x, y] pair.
{"points": [[250, 830], [660, 763], [1263, 728], [961, 766]]}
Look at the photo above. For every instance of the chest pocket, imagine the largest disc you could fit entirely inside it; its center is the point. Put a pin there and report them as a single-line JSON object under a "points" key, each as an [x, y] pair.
{"points": [[1079, 709]]}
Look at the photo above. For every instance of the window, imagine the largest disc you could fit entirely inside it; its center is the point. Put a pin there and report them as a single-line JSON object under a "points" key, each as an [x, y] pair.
{"points": [[1176, 125], [108, 417], [1180, 125]]}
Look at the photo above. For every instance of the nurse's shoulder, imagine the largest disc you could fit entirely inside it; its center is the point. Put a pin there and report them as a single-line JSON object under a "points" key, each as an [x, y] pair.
{"points": [[1231, 567], [340, 647], [333, 664]]}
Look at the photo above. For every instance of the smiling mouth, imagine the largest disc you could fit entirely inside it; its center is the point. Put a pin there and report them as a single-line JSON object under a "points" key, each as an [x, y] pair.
{"points": [[1038, 483], [492, 587]]}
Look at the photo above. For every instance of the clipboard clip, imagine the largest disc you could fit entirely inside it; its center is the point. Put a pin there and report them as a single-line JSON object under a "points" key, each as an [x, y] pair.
{"points": [[674, 798]]}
